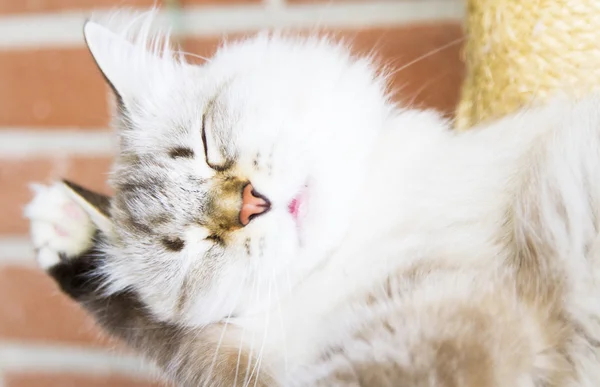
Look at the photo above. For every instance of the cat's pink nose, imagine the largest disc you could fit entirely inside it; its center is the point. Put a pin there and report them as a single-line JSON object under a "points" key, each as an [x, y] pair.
{"points": [[253, 204]]}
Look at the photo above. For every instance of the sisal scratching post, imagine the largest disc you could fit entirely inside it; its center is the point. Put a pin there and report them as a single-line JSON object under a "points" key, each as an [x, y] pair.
{"points": [[523, 50]]}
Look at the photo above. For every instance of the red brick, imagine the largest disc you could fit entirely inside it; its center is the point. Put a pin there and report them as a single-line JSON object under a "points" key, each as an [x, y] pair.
{"points": [[33, 309], [48, 87], [39, 6], [54, 380], [15, 176], [57, 88]]}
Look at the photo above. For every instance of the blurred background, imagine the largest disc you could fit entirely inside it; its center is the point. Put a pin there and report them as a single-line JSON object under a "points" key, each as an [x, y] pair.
{"points": [[54, 123]]}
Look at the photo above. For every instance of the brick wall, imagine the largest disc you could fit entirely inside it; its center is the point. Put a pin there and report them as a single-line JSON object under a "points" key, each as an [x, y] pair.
{"points": [[53, 122]]}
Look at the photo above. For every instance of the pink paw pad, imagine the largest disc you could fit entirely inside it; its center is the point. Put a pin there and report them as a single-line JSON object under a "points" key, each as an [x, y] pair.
{"points": [[73, 211], [60, 231]]}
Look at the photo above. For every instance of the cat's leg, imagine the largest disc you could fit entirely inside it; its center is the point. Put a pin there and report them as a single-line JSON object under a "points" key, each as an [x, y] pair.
{"points": [[67, 247]]}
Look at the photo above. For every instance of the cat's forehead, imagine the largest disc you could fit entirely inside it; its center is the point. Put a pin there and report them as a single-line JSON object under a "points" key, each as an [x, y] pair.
{"points": [[249, 101], [263, 74]]}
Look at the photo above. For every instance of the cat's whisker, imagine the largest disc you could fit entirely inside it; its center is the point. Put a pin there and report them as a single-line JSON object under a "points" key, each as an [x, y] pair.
{"points": [[424, 86], [259, 359], [224, 329], [426, 55], [255, 293], [187, 53], [237, 366], [252, 368], [264, 339]]}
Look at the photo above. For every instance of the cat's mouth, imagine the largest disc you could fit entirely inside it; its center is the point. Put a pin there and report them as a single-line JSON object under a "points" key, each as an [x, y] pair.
{"points": [[298, 206]]}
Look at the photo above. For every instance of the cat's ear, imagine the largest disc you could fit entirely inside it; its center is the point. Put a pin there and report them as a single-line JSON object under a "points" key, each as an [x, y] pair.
{"points": [[110, 51], [129, 62], [96, 205]]}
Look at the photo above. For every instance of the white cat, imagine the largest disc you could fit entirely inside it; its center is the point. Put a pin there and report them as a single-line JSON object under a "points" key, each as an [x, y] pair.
{"points": [[277, 220]]}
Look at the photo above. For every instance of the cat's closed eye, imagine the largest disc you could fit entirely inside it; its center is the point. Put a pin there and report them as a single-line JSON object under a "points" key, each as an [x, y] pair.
{"points": [[214, 238], [203, 134], [212, 151]]}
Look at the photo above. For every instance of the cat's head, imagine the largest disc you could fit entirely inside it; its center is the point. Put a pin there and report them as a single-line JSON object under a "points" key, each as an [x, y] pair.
{"points": [[236, 177]]}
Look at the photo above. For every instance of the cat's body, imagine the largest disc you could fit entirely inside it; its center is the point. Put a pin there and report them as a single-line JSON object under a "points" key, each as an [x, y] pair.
{"points": [[486, 275], [422, 257]]}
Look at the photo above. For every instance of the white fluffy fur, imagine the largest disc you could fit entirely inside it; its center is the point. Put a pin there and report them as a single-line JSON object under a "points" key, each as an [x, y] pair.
{"points": [[388, 187]]}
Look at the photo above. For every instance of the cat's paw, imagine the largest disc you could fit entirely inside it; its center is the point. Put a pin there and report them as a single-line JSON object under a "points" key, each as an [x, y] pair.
{"points": [[59, 227]]}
